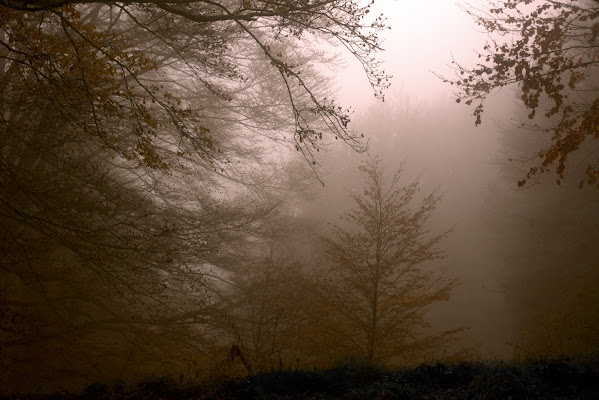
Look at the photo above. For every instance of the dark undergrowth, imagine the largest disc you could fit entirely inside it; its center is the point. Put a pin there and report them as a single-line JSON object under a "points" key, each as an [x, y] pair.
{"points": [[558, 379]]}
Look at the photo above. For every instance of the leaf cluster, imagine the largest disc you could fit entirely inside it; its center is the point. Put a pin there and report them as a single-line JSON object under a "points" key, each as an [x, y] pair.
{"points": [[550, 51]]}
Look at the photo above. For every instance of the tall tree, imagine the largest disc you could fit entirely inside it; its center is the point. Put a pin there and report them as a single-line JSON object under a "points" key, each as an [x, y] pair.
{"points": [[101, 253], [550, 50], [382, 277]]}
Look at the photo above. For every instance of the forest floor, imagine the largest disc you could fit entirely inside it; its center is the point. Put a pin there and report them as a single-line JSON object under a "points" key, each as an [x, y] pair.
{"points": [[495, 380]]}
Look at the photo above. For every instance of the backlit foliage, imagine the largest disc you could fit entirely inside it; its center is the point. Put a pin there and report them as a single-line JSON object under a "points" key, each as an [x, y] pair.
{"points": [[549, 49]]}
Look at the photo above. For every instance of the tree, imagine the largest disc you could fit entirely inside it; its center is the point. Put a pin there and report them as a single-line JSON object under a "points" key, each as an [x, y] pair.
{"points": [[262, 313], [380, 281], [126, 137], [549, 49], [262, 305], [140, 62], [100, 257], [102, 277]]}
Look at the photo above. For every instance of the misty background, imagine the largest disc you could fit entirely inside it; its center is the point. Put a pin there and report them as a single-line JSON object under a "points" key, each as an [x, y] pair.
{"points": [[526, 257], [137, 255]]}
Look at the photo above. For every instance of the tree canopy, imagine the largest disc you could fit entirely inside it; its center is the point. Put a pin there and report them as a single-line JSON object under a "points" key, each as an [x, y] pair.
{"points": [[549, 49], [143, 64]]}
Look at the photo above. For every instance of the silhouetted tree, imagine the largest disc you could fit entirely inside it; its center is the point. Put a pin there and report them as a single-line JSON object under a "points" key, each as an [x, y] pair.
{"points": [[380, 280]]}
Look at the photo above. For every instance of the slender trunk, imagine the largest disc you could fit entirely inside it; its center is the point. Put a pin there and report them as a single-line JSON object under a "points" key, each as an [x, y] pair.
{"points": [[373, 326], [377, 276]]}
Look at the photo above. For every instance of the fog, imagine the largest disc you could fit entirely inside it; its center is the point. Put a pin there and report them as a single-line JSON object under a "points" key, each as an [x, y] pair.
{"points": [[494, 247], [191, 203]]}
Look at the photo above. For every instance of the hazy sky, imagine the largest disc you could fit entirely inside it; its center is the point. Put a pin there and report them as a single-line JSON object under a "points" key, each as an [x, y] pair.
{"points": [[423, 37]]}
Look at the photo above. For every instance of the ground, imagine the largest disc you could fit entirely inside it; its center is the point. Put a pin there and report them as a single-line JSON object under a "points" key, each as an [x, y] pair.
{"points": [[559, 379]]}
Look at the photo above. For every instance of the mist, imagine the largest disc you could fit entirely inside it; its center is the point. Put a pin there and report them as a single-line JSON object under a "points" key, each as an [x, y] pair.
{"points": [[513, 282], [214, 196]]}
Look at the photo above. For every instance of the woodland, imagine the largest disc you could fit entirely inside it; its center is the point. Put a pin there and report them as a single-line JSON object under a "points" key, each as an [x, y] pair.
{"points": [[159, 212]]}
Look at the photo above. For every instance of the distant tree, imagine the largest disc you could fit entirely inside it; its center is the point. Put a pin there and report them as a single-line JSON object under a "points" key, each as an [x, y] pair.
{"points": [[550, 50], [263, 315], [262, 304], [543, 240], [379, 284]]}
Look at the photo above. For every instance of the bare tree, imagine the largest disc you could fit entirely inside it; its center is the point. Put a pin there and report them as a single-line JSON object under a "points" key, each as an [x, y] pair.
{"points": [[263, 305]]}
